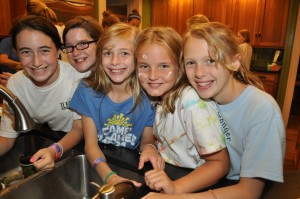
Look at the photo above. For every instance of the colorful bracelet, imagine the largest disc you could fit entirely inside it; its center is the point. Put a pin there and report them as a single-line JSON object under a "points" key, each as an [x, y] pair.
{"points": [[59, 150], [108, 175], [98, 161]]}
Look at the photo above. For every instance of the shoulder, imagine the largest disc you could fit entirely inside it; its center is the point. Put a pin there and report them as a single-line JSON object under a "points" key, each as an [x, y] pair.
{"points": [[261, 101], [68, 70], [190, 98], [19, 82]]}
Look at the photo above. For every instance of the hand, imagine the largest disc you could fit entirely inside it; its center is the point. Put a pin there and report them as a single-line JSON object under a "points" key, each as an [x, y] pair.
{"points": [[4, 78], [158, 180], [19, 67], [44, 159], [150, 153], [115, 179]]}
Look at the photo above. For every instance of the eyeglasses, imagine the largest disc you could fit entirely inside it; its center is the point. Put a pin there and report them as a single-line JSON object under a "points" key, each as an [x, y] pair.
{"points": [[80, 46]]}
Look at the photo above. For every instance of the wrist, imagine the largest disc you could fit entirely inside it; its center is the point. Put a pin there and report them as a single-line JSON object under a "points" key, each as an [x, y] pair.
{"points": [[149, 146], [98, 161], [59, 150]]}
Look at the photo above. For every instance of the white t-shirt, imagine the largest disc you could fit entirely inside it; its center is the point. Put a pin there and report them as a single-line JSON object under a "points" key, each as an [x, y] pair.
{"points": [[193, 130], [44, 104]]}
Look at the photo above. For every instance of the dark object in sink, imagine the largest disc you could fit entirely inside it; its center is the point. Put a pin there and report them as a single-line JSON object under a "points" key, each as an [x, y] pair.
{"points": [[124, 190], [27, 167]]}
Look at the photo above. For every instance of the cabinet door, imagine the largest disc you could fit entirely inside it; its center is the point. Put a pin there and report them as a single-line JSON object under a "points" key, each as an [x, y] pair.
{"points": [[223, 11], [272, 23], [172, 13], [5, 17], [216, 10], [245, 16]]}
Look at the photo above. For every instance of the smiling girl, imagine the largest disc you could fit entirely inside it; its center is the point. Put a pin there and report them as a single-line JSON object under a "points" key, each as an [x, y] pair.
{"points": [[113, 108], [45, 87]]}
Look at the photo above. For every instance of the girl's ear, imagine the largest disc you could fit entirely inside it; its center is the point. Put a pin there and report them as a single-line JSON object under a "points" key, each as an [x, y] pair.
{"points": [[236, 63]]}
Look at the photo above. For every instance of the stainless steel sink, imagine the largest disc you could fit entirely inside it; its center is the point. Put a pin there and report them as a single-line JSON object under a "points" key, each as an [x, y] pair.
{"points": [[9, 163], [70, 178]]}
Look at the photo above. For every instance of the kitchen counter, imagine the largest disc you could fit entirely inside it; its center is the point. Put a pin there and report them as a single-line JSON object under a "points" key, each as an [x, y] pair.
{"points": [[122, 159], [263, 69]]}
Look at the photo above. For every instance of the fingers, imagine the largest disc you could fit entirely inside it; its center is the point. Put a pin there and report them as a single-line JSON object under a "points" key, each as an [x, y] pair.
{"points": [[43, 159], [154, 179], [136, 184], [141, 163]]}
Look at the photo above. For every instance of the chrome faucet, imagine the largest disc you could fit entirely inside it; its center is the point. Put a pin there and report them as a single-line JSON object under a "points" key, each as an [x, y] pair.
{"points": [[23, 121]]}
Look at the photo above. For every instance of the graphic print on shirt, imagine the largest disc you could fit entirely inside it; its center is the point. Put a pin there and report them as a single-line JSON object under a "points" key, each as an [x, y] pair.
{"points": [[65, 105], [118, 131], [225, 128]]}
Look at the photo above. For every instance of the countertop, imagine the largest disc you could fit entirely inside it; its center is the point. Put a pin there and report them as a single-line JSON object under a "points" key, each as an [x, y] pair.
{"points": [[263, 69], [128, 159]]}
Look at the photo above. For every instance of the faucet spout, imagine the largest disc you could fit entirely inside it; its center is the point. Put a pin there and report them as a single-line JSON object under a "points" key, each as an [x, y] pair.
{"points": [[23, 121]]}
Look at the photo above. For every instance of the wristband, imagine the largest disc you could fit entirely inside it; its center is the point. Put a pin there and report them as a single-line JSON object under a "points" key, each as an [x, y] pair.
{"points": [[108, 175], [98, 161], [58, 150]]}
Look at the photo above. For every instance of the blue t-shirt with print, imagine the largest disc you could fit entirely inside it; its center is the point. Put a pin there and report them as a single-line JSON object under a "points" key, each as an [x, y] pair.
{"points": [[116, 123]]}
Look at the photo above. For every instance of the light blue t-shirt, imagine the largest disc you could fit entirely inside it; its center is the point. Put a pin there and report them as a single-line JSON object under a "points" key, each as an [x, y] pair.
{"points": [[116, 123], [255, 135]]}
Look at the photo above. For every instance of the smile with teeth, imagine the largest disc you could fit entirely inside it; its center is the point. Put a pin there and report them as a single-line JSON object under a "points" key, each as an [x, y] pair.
{"points": [[204, 84], [80, 60], [39, 69], [117, 71]]}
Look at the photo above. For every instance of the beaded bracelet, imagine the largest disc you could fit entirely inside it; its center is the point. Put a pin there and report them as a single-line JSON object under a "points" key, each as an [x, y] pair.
{"points": [[108, 175], [98, 161], [59, 150]]}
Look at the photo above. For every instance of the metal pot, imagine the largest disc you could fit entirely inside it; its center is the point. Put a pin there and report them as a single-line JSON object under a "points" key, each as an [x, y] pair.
{"points": [[122, 190]]}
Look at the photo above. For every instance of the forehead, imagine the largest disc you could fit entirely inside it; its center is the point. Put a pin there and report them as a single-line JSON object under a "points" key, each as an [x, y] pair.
{"points": [[77, 33], [33, 38], [119, 44]]}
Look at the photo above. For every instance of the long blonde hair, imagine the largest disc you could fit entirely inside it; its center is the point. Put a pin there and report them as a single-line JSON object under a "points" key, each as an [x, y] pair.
{"points": [[98, 80], [223, 48], [169, 39]]}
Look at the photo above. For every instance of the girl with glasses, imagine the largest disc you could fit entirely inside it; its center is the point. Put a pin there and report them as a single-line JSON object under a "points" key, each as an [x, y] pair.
{"points": [[80, 38]]}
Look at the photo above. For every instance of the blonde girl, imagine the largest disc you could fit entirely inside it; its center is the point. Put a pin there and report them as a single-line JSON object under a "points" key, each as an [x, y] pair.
{"points": [[114, 110]]}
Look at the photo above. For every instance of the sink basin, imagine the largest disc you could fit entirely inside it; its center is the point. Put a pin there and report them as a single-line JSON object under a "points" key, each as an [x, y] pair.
{"points": [[70, 178], [10, 167]]}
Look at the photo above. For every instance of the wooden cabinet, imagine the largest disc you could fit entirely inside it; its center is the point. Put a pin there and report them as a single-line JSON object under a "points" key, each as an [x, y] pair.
{"points": [[265, 19], [172, 13], [10, 9], [270, 82], [216, 10], [5, 18], [176, 12]]}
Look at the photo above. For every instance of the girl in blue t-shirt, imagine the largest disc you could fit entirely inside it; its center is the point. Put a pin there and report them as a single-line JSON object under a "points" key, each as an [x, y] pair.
{"points": [[112, 106]]}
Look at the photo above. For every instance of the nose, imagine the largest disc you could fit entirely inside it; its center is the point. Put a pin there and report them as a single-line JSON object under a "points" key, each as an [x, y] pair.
{"points": [[37, 60], [200, 72], [153, 74], [115, 60], [75, 52]]}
